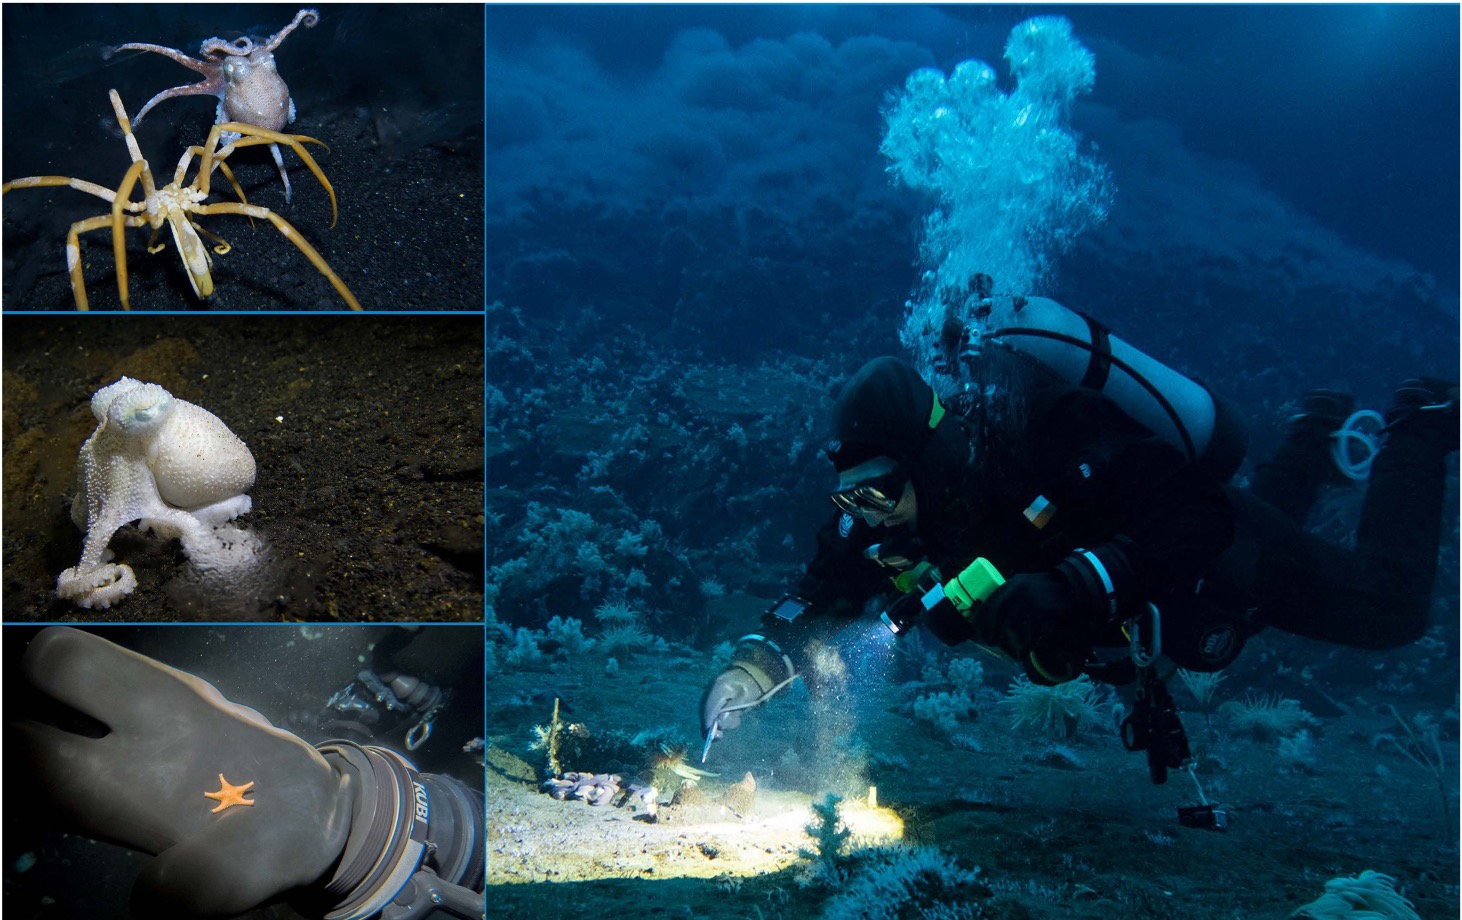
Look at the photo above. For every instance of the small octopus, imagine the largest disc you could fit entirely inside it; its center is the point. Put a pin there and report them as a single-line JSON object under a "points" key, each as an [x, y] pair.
{"points": [[599, 789], [162, 461], [243, 76], [594, 788]]}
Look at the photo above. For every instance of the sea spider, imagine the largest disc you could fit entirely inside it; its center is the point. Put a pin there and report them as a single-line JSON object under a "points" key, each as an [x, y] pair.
{"points": [[177, 204]]}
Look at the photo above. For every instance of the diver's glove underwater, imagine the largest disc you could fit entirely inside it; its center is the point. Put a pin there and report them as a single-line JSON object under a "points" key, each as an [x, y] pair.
{"points": [[758, 670], [237, 812]]}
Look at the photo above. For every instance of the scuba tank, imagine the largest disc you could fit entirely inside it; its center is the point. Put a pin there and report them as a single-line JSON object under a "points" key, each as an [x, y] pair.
{"points": [[1082, 352]]}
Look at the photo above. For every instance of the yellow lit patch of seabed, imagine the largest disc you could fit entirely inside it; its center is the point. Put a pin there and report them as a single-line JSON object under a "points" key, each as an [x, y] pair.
{"points": [[1052, 839], [574, 842]]}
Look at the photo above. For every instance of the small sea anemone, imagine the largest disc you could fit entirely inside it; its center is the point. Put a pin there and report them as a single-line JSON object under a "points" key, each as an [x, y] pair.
{"points": [[712, 587], [625, 637], [1370, 894], [615, 613], [1057, 711], [1266, 717]]}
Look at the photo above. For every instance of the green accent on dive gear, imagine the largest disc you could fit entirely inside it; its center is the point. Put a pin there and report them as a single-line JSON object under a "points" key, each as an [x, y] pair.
{"points": [[972, 586]]}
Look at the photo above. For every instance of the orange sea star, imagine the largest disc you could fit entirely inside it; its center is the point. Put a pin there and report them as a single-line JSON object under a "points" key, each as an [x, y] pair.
{"points": [[230, 795]]}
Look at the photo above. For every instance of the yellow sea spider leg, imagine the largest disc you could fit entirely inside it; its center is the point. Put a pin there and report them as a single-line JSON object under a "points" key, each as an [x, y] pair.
{"points": [[119, 241], [294, 142], [291, 234], [149, 191], [73, 246], [195, 255], [81, 185], [135, 152], [73, 251], [224, 245], [219, 163]]}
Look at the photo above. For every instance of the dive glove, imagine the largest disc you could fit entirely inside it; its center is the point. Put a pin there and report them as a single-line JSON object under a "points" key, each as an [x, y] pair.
{"points": [[758, 670], [236, 812]]}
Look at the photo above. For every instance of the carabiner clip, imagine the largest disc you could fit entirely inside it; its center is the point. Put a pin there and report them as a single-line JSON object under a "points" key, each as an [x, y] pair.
{"points": [[412, 740], [1140, 657]]}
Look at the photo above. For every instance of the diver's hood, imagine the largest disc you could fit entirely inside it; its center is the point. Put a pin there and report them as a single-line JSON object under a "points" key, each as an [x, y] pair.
{"points": [[886, 410]]}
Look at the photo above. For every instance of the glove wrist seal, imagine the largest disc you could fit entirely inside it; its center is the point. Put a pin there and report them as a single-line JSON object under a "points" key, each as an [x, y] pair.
{"points": [[763, 661], [388, 832], [1098, 577]]}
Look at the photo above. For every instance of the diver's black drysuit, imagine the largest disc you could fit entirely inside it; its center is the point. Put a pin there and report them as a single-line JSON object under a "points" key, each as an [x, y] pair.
{"points": [[1219, 562]]}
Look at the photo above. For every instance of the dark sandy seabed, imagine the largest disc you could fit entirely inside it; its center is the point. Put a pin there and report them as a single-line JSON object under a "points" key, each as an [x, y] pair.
{"points": [[1079, 834], [368, 436]]}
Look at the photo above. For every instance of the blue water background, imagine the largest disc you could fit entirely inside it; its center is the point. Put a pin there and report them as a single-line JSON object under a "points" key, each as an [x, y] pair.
{"points": [[1271, 147]]}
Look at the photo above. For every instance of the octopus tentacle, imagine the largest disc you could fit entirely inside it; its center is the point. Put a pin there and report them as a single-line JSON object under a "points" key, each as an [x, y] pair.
{"points": [[309, 17], [212, 85], [203, 67], [102, 586], [213, 47]]}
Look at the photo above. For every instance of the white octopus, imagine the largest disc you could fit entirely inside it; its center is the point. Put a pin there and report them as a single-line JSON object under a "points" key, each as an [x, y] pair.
{"points": [[243, 76], [172, 466]]}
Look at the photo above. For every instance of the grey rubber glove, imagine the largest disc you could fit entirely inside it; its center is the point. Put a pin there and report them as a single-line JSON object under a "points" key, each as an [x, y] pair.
{"points": [[728, 696], [237, 812]]}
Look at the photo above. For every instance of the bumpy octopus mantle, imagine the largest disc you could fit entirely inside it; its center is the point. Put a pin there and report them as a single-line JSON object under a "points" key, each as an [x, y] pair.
{"points": [[162, 461]]}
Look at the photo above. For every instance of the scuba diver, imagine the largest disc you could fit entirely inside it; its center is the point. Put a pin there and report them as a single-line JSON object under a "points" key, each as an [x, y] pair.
{"points": [[236, 812], [1032, 513]]}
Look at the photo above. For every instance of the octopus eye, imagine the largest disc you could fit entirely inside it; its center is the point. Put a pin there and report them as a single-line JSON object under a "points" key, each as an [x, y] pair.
{"points": [[142, 409]]}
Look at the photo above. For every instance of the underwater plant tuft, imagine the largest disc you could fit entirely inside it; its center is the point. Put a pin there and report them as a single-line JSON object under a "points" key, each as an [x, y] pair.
{"points": [[967, 675], [525, 652], [1057, 711], [828, 831], [1297, 753], [945, 711], [1370, 895], [906, 881], [1424, 749], [568, 633], [1266, 717]]}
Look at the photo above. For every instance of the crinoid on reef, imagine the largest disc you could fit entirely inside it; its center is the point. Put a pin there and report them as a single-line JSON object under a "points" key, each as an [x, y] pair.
{"points": [[670, 768]]}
